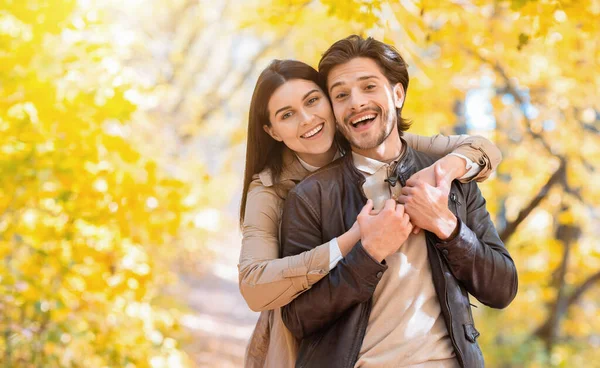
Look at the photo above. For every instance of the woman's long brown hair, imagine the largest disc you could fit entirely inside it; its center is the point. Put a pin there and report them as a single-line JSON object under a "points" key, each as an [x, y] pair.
{"points": [[262, 151]]}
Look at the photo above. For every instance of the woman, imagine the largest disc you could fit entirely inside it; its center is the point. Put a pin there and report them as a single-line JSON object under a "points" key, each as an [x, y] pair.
{"points": [[280, 153]]}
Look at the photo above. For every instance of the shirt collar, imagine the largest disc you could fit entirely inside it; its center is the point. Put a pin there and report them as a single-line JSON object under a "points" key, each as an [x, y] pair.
{"points": [[370, 166]]}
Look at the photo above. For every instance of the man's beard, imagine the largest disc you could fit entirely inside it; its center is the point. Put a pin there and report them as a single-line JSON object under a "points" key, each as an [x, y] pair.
{"points": [[384, 134]]}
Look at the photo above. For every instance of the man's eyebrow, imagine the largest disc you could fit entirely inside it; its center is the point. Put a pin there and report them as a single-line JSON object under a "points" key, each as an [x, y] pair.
{"points": [[368, 77], [335, 85], [364, 77]]}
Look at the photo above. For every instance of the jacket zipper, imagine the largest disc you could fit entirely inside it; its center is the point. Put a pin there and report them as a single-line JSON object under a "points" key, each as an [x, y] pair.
{"points": [[459, 355], [450, 330], [363, 328], [454, 198], [310, 350]]}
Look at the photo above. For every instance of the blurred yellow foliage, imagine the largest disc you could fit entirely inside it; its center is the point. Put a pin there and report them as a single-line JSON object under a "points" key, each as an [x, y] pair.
{"points": [[82, 213], [88, 215]]}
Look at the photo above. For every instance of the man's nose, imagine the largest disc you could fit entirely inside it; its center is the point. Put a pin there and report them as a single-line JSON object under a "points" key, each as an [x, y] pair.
{"points": [[358, 101]]}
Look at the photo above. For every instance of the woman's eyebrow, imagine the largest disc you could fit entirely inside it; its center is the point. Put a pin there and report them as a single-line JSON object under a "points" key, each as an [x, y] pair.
{"points": [[309, 92], [303, 98], [283, 108]]}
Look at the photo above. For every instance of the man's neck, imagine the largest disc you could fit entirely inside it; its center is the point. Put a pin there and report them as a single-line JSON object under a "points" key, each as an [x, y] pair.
{"points": [[388, 151]]}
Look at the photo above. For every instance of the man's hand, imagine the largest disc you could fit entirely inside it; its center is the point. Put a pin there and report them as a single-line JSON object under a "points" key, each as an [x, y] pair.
{"points": [[384, 233], [427, 205], [453, 168], [426, 175]]}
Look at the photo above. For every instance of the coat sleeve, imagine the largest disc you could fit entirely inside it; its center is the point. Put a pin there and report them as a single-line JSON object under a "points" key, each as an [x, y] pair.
{"points": [[267, 281], [477, 257], [352, 281], [476, 148]]}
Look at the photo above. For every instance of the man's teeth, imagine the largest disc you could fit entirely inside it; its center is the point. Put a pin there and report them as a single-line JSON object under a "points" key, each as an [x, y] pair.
{"points": [[312, 132], [361, 119]]}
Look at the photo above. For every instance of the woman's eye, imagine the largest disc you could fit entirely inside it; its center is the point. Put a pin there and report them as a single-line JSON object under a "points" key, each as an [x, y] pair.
{"points": [[313, 100], [286, 115], [341, 95]]}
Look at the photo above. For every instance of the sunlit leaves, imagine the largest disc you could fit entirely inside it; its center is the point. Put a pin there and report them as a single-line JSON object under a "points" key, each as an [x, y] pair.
{"points": [[82, 212]]}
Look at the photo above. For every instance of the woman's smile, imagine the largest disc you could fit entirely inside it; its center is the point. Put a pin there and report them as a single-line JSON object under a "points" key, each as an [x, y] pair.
{"points": [[314, 133]]}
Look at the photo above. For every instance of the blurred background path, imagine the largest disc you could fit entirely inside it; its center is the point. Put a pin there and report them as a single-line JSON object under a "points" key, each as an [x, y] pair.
{"points": [[219, 321]]}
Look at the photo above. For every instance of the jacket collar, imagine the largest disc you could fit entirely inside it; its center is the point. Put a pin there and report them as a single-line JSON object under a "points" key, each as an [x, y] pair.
{"points": [[292, 170], [405, 165]]}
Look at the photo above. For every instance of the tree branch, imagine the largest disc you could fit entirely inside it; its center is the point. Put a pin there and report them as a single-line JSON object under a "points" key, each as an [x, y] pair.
{"points": [[555, 178], [582, 288], [513, 91], [549, 330], [188, 80], [247, 74]]}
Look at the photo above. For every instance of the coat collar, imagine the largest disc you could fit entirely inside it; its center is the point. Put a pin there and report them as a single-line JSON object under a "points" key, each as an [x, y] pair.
{"points": [[292, 170], [405, 165]]}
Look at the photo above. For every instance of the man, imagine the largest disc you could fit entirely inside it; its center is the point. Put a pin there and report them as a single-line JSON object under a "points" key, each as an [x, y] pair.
{"points": [[398, 298]]}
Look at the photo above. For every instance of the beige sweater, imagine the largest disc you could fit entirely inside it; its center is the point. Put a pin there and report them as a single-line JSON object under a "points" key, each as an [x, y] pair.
{"points": [[406, 327], [268, 282]]}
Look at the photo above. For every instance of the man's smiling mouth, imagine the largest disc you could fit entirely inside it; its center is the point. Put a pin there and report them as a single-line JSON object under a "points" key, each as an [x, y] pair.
{"points": [[362, 120]]}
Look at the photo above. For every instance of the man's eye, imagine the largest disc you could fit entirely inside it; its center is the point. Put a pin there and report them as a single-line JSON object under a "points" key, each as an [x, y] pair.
{"points": [[370, 86], [341, 95], [286, 115]]}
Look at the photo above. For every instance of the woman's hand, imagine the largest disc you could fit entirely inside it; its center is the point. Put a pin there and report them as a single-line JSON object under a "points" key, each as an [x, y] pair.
{"points": [[354, 232], [384, 233], [348, 240], [451, 166]]}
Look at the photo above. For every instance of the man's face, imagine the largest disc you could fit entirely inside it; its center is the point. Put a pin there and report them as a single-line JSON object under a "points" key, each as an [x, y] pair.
{"points": [[364, 102]]}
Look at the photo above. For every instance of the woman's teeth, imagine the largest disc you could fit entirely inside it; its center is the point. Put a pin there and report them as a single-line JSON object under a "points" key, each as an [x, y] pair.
{"points": [[312, 132]]}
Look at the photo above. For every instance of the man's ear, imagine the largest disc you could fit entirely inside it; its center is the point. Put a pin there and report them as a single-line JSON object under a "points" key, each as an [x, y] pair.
{"points": [[270, 131], [398, 94]]}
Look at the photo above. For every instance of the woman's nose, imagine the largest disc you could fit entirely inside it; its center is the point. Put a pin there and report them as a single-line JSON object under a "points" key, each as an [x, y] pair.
{"points": [[305, 117]]}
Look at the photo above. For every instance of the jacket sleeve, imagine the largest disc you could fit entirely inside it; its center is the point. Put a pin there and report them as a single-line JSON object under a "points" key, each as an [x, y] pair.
{"points": [[351, 282], [267, 281], [477, 257], [476, 148]]}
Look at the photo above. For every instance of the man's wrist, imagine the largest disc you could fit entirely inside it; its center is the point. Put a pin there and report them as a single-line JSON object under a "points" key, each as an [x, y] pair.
{"points": [[447, 227], [374, 252]]}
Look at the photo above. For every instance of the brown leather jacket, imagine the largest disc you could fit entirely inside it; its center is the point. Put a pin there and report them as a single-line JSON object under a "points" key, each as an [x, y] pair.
{"points": [[331, 317]]}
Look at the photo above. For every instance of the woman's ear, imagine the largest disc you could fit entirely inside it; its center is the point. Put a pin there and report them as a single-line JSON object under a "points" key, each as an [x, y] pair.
{"points": [[398, 94], [270, 131]]}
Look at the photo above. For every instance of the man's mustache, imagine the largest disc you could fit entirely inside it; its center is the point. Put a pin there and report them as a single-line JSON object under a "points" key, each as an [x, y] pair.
{"points": [[376, 109]]}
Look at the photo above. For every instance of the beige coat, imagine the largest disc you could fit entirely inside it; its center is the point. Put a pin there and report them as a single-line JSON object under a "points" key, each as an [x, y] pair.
{"points": [[268, 282]]}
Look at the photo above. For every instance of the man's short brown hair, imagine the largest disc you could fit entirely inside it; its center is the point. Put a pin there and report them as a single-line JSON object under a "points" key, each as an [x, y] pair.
{"points": [[386, 56]]}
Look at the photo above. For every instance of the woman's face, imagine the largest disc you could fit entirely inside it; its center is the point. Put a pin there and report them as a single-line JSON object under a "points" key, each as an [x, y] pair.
{"points": [[301, 118]]}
